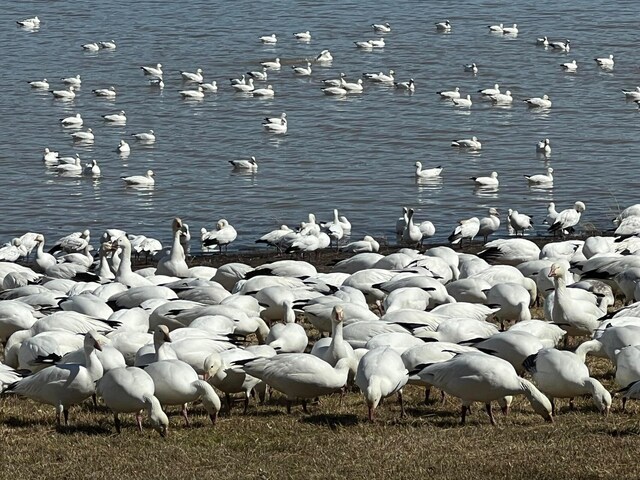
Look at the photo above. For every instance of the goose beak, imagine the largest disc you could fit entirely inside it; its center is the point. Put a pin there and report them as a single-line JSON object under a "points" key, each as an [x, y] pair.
{"points": [[97, 346]]}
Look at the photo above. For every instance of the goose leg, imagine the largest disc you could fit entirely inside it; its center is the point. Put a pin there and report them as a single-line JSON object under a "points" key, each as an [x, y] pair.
{"points": [[94, 399], [490, 413], [227, 398], [427, 394], [288, 406], [370, 407], [138, 420], [59, 410], [185, 414], [401, 402], [65, 412], [624, 403], [246, 404], [553, 406], [571, 404], [463, 417], [443, 397], [304, 407], [116, 421]]}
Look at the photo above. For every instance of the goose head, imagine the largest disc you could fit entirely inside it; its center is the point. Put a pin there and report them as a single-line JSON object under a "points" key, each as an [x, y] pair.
{"points": [[90, 342], [579, 207], [337, 314]]}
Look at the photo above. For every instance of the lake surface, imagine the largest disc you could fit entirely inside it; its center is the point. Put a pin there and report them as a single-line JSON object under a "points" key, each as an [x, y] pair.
{"points": [[355, 153]]}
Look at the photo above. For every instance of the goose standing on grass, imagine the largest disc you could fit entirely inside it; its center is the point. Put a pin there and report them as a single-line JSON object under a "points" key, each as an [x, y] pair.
{"points": [[570, 67], [380, 374], [428, 172], [462, 102], [541, 178], [39, 84], [606, 63], [250, 164], [491, 181], [140, 180], [467, 229], [63, 385], [443, 26], [562, 374], [478, 377], [146, 137], [567, 219], [192, 77], [302, 71], [153, 71], [539, 102], [449, 94], [130, 390], [288, 337], [544, 146], [489, 225], [67, 94], [468, 143]]}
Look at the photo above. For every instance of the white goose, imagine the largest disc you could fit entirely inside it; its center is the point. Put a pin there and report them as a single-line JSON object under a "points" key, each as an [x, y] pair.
{"points": [[381, 373], [606, 63], [302, 70], [153, 71], [130, 390], [490, 181], [462, 102], [468, 143], [302, 36], [570, 67], [539, 102], [193, 77], [86, 136], [380, 77], [519, 221], [449, 94], [124, 273], [105, 92], [67, 94], [490, 224], [562, 374], [269, 39], [174, 264], [147, 137], [63, 385], [544, 146], [467, 229], [250, 164], [411, 233], [140, 180], [428, 172], [264, 92], [197, 94], [222, 236], [541, 178], [91, 47], [119, 117], [561, 46], [288, 337], [72, 121], [567, 219], [123, 147], [280, 127], [272, 65], [75, 81], [477, 377], [487, 92], [324, 57], [244, 87]]}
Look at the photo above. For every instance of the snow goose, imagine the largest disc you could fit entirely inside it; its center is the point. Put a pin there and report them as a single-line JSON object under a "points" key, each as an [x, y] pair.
{"points": [[324, 57], [250, 164], [14, 316], [50, 157], [490, 181], [478, 377], [177, 383], [146, 137], [549, 334], [333, 349], [519, 221], [561, 46], [409, 86], [380, 43], [197, 94], [427, 173], [627, 363], [222, 236], [510, 251], [303, 36], [353, 87], [570, 67], [67, 94], [510, 30], [334, 91], [514, 301], [263, 92], [628, 94], [210, 87], [119, 117], [544, 41], [496, 28], [73, 81], [502, 98], [86, 136], [302, 70], [192, 77], [238, 81], [380, 374], [244, 87], [269, 39], [567, 219], [130, 390], [74, 121], [462, 102], [272, 65], [467, 229], [259, 75], [470, 67], [288, 337], [124, 273], [449, 94], [153, 71], [174, 264], [91, 47], [606, 63], [105, 92], [298, 375], [541, 178], [468, 143], [443, 26], [512, 346], [544, 146], [123, 147], [411, 233], [562, 374], [380, 77], [108, 45], [32, 22], [381, 27], [92, 169], [140, 180], [39, 84], [490, 224], [488, 92], [63, 385], [364, 45], [539, 102], [575, 316], [280, 127], [367, 244]]}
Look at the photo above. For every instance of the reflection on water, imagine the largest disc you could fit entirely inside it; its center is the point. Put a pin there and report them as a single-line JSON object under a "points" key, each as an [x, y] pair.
{"points": [[429, 183]]}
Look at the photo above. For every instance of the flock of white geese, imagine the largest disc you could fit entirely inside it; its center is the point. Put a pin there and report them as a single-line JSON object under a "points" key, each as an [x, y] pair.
{"points": [[169, 335]]}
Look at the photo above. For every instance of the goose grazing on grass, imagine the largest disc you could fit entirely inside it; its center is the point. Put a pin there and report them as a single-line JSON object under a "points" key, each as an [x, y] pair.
{"points": [[570, 67], [544, 146], [381, 27], [250, 164], [428, 172], [449, 94], [562, 374], [153, 71], [380, 374], [140, 180], [561, 46], [302, 70], [298, 375], [272, 65], [192, 77], [467, 229], [443, 26], [478, 377], [490, 181], [462, 102], [130, 390], [67, 94], [39, 84], [63, 385], [541, 178], [490, 224], [72, 121], [567, 219], [606, 63], [468, 143], [538, 102]]}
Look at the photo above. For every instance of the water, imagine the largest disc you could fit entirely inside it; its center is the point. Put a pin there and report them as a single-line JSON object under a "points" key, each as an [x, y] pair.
{"points": [[355, 154]]}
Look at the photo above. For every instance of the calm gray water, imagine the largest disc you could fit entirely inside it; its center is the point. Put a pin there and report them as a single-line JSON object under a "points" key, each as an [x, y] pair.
{"points": [[355, 154]]}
